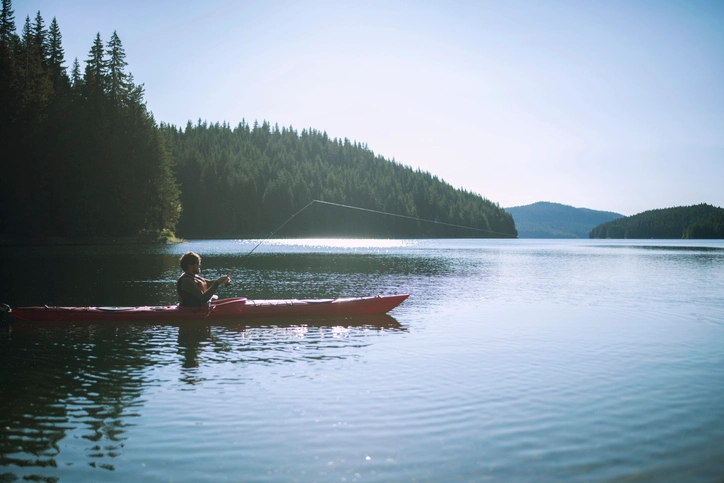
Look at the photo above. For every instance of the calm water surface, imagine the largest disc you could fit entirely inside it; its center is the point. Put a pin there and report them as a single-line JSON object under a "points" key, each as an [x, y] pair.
{"points": [[512, 360]]}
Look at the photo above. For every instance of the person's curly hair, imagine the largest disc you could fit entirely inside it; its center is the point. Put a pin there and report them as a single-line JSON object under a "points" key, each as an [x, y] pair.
{"points": [[189, 258]]}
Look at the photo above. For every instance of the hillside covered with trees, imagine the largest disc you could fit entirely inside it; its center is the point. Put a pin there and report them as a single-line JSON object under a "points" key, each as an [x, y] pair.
{"points": [[84, 157], [698, 221], [248, 180], [554, 220]]}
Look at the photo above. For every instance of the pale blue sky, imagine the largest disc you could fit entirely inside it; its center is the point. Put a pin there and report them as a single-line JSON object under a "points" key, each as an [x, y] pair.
{"points": [[609, 105]]}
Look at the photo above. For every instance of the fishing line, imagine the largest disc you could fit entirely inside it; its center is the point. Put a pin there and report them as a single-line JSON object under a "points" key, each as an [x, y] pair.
{"points": [[412, 218], [359, 209], [267, 238]]}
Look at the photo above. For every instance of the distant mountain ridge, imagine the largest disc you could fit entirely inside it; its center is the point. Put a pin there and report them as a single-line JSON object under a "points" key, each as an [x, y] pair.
{"points": [[554, 220]]}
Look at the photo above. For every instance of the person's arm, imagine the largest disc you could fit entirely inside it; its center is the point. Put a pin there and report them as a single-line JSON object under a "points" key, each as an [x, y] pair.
{"points": [[190, 287]]}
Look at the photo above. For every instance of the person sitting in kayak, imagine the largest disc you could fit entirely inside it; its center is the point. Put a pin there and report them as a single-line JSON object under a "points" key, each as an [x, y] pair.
{"points": [[194, 290]]}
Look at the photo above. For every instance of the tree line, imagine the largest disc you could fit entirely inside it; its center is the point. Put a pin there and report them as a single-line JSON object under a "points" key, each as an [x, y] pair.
{"points": [[698, 221], [711, 227], [84, 157], [248, 180]]}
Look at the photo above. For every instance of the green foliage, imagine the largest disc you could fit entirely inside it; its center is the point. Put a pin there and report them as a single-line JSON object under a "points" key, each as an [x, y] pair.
{"points": [[712, 227], [117, 79], [82, 156], [7, 23], [246, 181], [554, 220], [698, 221]]}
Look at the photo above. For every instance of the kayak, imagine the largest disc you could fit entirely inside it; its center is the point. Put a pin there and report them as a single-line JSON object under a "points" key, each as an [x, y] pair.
{"points": [[232, 308]]}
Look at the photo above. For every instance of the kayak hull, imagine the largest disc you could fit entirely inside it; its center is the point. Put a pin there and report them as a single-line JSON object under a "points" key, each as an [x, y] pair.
{"points": [[232, 308]]}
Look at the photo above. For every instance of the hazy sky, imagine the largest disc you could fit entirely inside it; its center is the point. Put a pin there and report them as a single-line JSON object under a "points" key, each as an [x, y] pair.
{"points": [[609, 105]]}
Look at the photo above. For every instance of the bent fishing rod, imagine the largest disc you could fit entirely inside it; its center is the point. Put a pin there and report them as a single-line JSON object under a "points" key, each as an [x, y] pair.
{"points": [[359, 209]]}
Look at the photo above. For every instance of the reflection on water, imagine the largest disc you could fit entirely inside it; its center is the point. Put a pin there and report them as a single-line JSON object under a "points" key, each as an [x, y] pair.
{"points": [[58, 383], [190, 339], [273, 341], [77, 388], [670, 247], [310, 244], [514, 360]]}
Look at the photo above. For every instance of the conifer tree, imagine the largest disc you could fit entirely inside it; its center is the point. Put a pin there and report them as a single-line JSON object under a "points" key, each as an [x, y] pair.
{"points": [[27, 37], [7, 23], [56, 55], [95, 70], [116, 65], [76, 79], [9, 100], [135, 92], [36, 88], [41, 38], [8, 66]]}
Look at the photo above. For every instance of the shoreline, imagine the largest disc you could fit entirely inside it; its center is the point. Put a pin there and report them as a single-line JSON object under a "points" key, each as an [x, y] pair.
{"points": [[85, 241]]}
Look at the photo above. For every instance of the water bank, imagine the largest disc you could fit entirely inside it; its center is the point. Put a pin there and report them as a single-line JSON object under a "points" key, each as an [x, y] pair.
{"points": [[93, 240]]}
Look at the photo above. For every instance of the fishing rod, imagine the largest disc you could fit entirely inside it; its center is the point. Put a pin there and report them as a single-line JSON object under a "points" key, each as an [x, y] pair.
{"points": [[359, 209], [267, 238]]}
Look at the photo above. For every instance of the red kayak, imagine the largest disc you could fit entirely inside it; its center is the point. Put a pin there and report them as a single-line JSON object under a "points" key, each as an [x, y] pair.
{"points": [[234, 308]]}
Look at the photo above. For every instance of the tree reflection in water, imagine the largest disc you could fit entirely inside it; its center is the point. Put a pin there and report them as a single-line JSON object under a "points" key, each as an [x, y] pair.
{"points": [[58, 381], [71, 392]]}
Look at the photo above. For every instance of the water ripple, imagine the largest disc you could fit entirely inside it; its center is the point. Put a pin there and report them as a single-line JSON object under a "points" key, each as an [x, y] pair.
{"points": [[511, 361]]}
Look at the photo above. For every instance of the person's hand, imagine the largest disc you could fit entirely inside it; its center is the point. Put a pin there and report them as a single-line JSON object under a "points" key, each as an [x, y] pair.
{"points": [[223, 279]]}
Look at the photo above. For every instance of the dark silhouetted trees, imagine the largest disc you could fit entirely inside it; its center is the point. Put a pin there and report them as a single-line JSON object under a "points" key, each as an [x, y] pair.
{"points": [[82, 156]]}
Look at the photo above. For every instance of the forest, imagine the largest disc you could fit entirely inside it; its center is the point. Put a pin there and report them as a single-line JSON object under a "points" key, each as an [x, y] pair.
{"points": [[698, 221], [248, 180], [84, 157]]}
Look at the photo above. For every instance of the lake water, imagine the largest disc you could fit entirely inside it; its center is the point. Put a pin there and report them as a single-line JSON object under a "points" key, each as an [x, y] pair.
{"points": [[512, 360]]}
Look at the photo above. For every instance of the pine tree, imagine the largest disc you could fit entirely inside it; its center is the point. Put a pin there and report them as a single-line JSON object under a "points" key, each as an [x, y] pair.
{"points": [[116, 65], [76, 80], [36, 89], [56, 56], [9, 101], [27, 37], [135, 92], [95, 70], [8, 66], [41, 38], [7, 23]]}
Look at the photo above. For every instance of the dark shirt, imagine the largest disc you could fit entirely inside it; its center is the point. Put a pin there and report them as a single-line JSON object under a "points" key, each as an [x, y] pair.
{"points": [[190, 293]]}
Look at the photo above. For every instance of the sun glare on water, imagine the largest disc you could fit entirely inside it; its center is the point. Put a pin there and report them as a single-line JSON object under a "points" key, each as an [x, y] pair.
{"points": [[342, 243]]}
